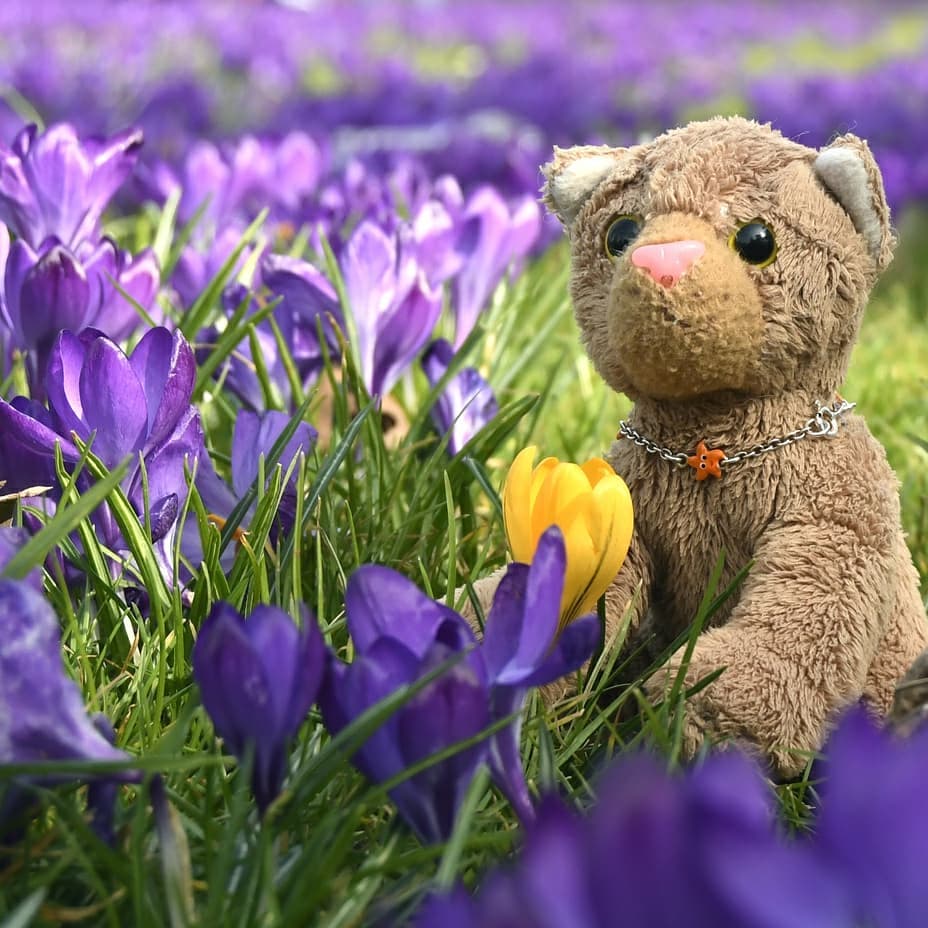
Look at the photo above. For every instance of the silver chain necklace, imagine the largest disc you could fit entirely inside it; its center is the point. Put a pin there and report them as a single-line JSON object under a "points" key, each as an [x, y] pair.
{"points": [[708, 462]]}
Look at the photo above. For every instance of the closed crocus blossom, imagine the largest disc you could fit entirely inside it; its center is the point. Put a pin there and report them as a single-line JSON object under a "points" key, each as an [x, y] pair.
{"points": [[592, 507], [258, 678], [492, 235], [252, 439]]}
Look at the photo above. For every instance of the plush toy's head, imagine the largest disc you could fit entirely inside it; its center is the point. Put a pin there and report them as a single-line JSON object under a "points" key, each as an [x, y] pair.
{"points": [[721, 257]]}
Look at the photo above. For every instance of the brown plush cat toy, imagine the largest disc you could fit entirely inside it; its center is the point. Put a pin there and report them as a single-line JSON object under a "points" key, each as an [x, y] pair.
{"points": [[719, 276]]}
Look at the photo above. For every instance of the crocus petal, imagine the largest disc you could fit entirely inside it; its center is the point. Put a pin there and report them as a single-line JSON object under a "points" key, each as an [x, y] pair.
{"points": [[113, 160], [524, 228], [18, 208], [571, 649], [504, 758], [483, 237], [32, 433], [27, 442], [20, 260], [349, 691], [517, 505], [59, 171], [55, 295], [113, 402], [254, 437], [46, 719], [166, 368], [234, 684], [293, 659], [523, 619], [466, 404], [165, 466], [138, 278], [456, 910], [610, 519], [402, 335], [163, 513], [558, 496], [451, 709], [382, 603], [554, 877], [871, 828], [369, 270], [62, 383]]}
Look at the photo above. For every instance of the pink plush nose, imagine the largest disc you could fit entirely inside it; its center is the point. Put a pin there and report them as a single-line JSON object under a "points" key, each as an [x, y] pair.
{"points": [[669, 261]]}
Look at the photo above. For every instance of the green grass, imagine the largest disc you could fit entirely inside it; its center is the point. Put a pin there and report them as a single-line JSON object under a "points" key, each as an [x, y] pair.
{"points": [[331, 851]]}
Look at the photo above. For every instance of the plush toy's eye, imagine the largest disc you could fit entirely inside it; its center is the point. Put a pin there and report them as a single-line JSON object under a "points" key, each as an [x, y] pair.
{"points": [[755, 243], [621, 233]]}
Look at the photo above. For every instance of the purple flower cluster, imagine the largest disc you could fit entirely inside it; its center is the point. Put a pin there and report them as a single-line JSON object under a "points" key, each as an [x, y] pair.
{"points": [[259, 677], [134, 407], [59, 273], [468, 88], [704, 849]]}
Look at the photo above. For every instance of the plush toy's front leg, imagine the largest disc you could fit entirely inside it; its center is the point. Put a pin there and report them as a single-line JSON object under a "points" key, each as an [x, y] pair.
{"points": [[796, 647]]}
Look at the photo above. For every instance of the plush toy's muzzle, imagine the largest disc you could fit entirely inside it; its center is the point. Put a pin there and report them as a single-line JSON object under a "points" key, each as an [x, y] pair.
{"points": [[684, 315]]}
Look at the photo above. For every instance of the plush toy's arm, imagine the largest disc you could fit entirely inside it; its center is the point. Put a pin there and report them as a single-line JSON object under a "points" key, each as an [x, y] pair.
{"points": [[797, 646]]}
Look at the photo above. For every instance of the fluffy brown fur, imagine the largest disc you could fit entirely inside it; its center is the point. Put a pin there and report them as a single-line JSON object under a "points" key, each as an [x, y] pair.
{"points": [[736, 355]]}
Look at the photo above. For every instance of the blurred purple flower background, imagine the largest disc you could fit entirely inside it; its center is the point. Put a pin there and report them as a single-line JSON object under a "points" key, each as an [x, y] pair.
{"points": [[704, 848]]}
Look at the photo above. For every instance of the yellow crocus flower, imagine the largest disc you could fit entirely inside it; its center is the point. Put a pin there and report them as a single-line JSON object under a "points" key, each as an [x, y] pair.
{"points": [[592, 507]]}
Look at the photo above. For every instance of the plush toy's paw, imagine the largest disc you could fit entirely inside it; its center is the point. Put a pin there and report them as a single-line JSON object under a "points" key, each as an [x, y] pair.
{"points": [[705, 725]]}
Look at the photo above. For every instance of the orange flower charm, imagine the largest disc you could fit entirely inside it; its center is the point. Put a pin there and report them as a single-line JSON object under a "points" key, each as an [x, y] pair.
{"points": [[706, 463]]}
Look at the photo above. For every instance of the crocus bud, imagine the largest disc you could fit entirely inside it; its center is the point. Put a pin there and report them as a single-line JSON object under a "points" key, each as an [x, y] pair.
{"points": [[258, 679], [592, 507]]}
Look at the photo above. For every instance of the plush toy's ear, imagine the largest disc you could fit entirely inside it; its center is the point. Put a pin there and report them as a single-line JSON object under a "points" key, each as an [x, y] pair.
{"points": [[849, 172], [574, 174]]}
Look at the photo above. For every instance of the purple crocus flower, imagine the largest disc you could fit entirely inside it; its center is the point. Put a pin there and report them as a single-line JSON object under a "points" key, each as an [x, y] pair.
{"points": [[258, 678], [400, 635], [136, 407], [492, 236], [393, 305], [521, 649], [872, 830], [43, 716], [201, 261], [253, 438], [55, 184], [467, 403], [307, 300], [55, 288], [236, 182], [701, 850]]}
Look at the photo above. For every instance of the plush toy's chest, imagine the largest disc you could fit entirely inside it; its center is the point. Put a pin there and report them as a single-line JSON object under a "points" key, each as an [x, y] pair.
{"points": [[686, 525]]}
